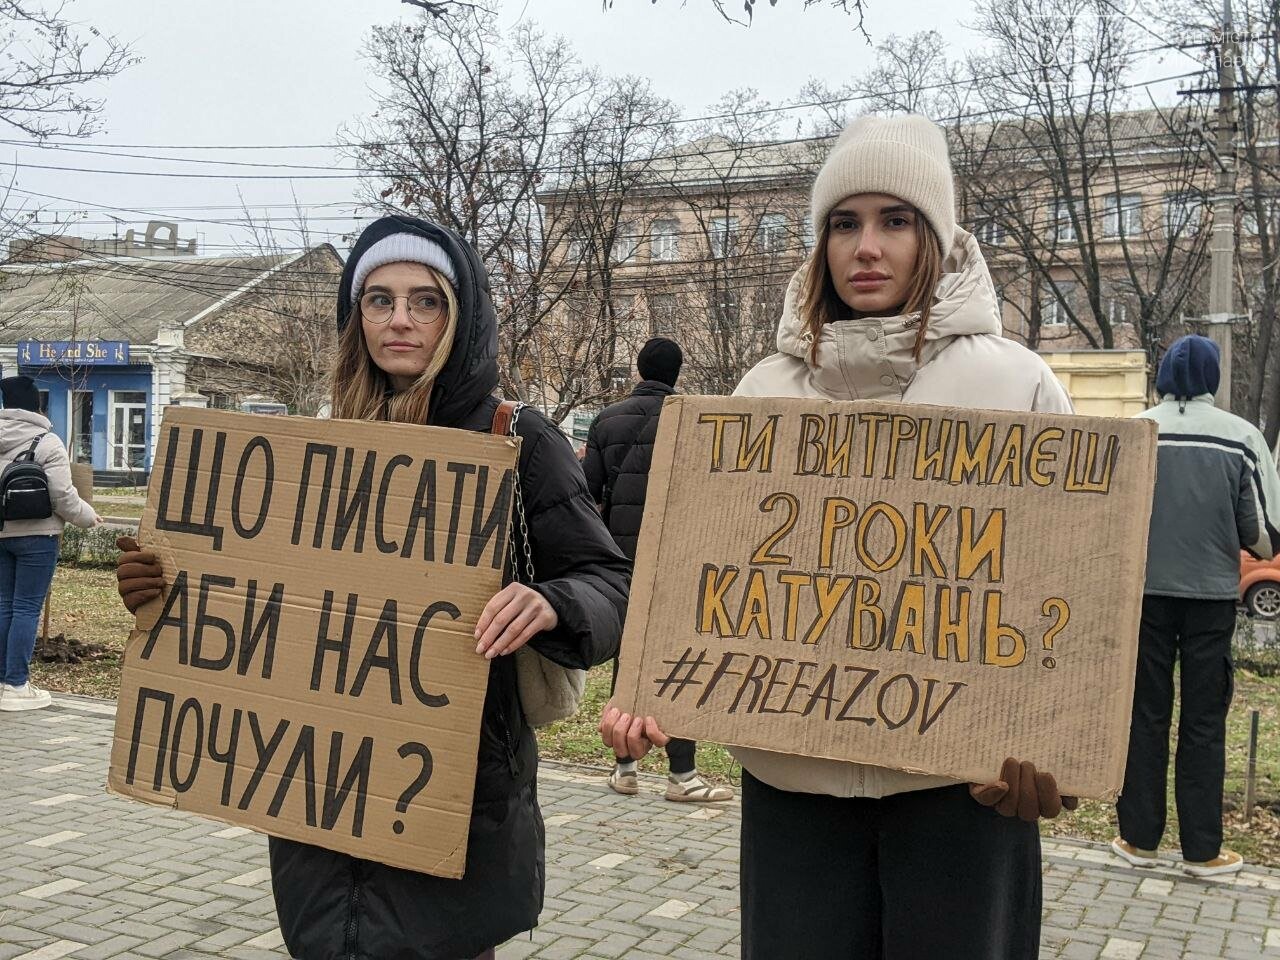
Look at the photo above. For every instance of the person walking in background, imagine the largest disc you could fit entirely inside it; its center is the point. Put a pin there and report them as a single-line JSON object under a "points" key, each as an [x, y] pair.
{"points": [[1216, 493], [29, 548], [618, 455]]}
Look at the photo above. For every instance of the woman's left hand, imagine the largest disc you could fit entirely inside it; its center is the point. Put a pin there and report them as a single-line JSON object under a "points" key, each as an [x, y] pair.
{"points": [[514, 616], [1023, 792]]}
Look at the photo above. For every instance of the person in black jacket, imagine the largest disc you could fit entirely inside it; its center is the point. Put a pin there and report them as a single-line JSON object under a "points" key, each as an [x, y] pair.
{"points": [[418, 343], [618, 454]]}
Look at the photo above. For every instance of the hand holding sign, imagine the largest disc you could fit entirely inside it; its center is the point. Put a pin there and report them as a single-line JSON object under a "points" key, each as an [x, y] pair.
{"points": [[630, 736], [138, 573], [1024, 792]]}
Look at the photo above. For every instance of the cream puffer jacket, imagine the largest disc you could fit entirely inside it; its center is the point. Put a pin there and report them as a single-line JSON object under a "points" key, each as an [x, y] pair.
{"points": [[966, 362]]}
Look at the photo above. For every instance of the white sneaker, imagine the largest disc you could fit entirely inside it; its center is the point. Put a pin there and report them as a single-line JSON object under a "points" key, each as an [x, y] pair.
{"points": [[696, 790], [26, 697]]}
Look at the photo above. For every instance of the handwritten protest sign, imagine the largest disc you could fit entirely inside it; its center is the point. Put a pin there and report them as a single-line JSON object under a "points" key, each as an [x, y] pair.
{"points": [[311, 670], [924, 588]]}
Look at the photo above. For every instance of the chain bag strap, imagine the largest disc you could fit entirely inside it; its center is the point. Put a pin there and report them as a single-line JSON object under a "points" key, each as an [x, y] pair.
{"points": [[548, 691]]}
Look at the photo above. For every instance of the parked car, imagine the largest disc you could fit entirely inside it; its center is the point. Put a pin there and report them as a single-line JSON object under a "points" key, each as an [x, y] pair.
{"points": [[1260, 587]]}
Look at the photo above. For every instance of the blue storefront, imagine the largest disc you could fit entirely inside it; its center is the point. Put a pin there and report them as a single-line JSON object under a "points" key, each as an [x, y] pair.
{"points": [[97, 397]]}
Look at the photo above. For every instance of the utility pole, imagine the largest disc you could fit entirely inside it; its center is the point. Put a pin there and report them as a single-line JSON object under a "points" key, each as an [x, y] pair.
{"points": [[1222, 246], [1222, 243]]}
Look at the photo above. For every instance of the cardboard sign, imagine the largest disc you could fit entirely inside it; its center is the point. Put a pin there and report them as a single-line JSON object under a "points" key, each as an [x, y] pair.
{"points": [[311, 670], [925, 588]]}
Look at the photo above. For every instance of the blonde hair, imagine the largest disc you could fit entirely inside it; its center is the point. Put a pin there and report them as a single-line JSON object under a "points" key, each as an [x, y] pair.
{"points": [[362, 391], [820, 304]]}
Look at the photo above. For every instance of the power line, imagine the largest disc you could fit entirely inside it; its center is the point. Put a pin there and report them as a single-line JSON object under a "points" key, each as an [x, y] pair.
{"points": [[85, 147]]}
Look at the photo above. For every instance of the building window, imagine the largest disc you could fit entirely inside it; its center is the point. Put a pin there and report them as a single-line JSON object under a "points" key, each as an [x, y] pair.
{"points": [[1066, 230], [1052, 311], [625, 243], [1122, 215], [662, 314], [1249, 219], [1183, 212], [81, 445], [807, 236], [664, 243], [619, 379], [724, 312], [771, 233], [990, 232], [128, 430], [723, 235], [1117, 311]]}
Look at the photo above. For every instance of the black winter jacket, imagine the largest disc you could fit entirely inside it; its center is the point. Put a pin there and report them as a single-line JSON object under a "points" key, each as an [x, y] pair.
{"points": [[333, 906], [619, 451]]}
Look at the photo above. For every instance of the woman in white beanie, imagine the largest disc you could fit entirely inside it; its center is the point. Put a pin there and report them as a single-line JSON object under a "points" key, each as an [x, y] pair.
{"points": [[844, 860], [418, 343]]}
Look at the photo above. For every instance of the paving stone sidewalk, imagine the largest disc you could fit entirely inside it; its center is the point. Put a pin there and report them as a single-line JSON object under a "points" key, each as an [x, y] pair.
{"points": [[90, 876]]}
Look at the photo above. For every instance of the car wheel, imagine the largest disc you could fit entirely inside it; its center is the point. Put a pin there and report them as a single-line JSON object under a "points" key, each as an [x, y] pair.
{"points": [[1263, 600]]}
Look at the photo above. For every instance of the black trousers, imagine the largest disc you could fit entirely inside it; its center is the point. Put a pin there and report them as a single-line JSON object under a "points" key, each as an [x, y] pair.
{"points": [[925, 875], [680, 753], [1199, 633]]}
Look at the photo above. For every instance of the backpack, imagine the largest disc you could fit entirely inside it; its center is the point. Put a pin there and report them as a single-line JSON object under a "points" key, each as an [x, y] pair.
{"points": [[548, 691], [24, 488]]}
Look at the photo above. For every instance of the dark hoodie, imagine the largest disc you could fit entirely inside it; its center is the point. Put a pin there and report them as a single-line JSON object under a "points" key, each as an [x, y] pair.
{"points": [[333, 906]]}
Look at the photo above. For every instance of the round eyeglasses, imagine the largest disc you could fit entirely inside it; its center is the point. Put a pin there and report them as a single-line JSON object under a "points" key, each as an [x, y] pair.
{"points": [[425, 306]]}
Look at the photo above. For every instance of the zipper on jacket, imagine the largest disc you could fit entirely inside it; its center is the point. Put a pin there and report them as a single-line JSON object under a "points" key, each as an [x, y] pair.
{"points": [[353, 914], [507, 744]]}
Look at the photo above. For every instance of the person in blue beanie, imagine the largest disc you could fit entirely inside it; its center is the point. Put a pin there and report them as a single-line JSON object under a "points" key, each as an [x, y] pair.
{"points": [[1216, 493]]}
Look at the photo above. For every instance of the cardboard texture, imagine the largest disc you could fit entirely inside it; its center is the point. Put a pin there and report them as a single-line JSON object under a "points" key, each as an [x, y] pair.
{"points": [[311, 670], [82, 480], [924, 588]]}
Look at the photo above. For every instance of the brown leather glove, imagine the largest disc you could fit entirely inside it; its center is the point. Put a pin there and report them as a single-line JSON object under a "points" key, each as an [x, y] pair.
{"points": [[1023, 792], [138, 573]]}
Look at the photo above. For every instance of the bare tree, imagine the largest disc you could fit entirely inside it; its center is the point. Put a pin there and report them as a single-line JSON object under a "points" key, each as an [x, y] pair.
{"points": [[48, 65], [479, 131], [619, 133], [1096, 203], [741, 196]]}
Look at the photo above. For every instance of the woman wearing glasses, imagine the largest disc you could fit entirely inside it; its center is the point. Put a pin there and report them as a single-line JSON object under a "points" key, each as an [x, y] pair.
{"points": [[418, 343]]}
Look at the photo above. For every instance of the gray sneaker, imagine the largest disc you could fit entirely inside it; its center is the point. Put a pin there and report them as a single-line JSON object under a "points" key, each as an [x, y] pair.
{"points": [[26, 697], [624, 782]]}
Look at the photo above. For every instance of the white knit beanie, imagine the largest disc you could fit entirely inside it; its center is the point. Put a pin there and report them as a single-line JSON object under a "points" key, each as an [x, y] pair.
{"points": [[905, 156], [401, 248]]}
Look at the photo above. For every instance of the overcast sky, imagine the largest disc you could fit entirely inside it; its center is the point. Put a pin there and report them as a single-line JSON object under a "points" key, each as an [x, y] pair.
{"points": [[245, 72]]}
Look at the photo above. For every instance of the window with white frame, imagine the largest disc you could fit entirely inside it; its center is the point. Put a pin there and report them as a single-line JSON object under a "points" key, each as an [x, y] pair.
{"points": [[662, 314], [1117, 310], [664, 240], [1065, 230], [625, 243], [1056, 306], [619, 379], [1122, 213], [724, 311], [990, 231], [1249, 219], [1183, 213], [722, 234], [771, 233], [128, 426]]}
